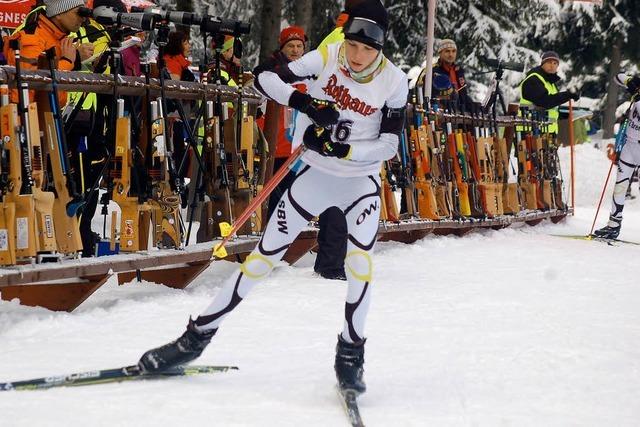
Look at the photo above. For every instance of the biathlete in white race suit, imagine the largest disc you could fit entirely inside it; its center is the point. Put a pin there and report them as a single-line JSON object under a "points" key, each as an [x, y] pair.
{"points": [[628, 160], [340, 167]]}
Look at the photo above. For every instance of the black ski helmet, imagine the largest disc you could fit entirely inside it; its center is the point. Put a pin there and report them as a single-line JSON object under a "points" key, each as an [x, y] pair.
{"points": [[368, 23]]}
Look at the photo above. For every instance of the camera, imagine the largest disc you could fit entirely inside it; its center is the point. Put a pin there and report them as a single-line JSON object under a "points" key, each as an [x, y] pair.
{"points": [[206, 23], [106, 15]]}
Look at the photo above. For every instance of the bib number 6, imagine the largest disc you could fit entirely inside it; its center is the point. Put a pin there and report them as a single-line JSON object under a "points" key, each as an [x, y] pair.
{"points": [[342, 130]]}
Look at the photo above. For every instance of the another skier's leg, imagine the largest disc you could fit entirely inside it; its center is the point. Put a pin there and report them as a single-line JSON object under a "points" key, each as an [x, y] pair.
{"points": [[627, 163]]}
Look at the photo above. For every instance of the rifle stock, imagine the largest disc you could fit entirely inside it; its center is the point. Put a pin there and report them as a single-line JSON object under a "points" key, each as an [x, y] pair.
{"points": [[7, 233], [510, 193], [44, 200], [24, 231], [489, 188], [545, 198], [476, 199], [426, 199], [207, 229], [454, 141], [7, 209], [524, 180], [67, 228], [166, 217], [389, 210], [133, 233]]}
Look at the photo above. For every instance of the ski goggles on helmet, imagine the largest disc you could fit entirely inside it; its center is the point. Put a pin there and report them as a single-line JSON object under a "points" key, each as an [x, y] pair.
{"points": [[365, 31]]}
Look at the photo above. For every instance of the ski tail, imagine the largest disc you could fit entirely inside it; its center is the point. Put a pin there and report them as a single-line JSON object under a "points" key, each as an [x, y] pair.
{"points": [[125, 373]]}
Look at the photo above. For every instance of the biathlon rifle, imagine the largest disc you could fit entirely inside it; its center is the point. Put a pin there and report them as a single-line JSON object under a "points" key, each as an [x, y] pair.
{"points": [[76, 203]]}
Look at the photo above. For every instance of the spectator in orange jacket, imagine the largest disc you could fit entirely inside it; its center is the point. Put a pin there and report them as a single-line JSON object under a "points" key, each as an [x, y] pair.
{"points": [[49, 27], [175, 56], [292, 46]]}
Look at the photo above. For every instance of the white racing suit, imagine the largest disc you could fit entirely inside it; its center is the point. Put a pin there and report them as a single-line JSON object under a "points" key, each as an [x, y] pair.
{"points": [[353, 185], [629, 159]]}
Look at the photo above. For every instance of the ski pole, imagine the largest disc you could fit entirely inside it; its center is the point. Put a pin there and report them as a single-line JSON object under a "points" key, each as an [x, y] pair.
{"points": [[601, 197], [227, 231]]}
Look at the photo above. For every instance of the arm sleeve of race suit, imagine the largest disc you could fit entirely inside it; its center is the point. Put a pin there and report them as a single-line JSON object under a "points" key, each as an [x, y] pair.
{"points": [[533, 89], [391, 125], [274, 78]]}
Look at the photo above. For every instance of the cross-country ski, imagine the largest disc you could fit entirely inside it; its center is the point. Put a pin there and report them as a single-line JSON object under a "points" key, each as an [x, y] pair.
{"points": [[107, 376]]}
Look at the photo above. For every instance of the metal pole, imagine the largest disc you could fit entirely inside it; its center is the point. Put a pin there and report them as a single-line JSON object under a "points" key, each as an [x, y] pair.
{"points": [[431, 16], [573, 156]]}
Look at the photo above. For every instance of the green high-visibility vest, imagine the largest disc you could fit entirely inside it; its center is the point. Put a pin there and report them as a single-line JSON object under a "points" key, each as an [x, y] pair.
{"points": [[100, 43], [551, 88]]}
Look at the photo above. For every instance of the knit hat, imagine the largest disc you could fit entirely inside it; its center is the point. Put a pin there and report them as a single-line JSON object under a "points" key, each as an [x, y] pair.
{"points": [[350, 4], [226, 44], [292, 33], [116, 5], [548, 56], [368, 23], [446, 44], [56, 7]]}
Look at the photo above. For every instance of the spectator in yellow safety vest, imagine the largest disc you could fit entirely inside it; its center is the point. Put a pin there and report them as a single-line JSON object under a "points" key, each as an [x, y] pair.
{"points": [[539, 88]]}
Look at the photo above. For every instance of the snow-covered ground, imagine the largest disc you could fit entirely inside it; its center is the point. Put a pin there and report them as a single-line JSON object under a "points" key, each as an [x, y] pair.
{"points": [[499, 328]]}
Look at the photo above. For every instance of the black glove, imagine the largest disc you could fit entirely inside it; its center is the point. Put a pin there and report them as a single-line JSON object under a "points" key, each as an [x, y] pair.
{"points": [[575, 95], [323, 113], [633, 84], [319, 140]]}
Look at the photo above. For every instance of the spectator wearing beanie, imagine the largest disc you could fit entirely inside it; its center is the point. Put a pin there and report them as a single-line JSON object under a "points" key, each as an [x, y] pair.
{"points": [[49, 27], [446, 66], [539, 88], [292, 42], [229, 64]]}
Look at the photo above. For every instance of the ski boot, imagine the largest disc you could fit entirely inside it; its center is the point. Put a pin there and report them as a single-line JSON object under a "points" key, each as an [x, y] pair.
{"points": [[611, 231], [349, 365], [333, 274], [179, 352]]}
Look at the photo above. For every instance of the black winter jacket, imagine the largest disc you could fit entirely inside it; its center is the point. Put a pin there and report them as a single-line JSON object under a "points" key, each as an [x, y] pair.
{"points": [[533, 90]]}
